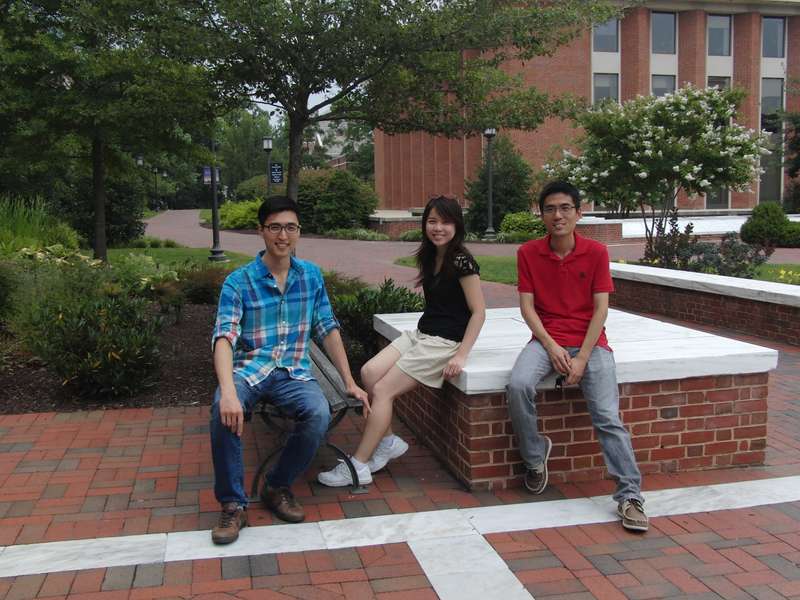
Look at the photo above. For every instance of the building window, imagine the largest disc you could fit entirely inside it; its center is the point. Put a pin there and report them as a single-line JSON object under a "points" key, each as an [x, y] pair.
{"points": [[771, 184], [606, 85], [719, 35], [722, 83], [772, 37], [718, 198], [663, 32], [606, 36], [663, 84]]}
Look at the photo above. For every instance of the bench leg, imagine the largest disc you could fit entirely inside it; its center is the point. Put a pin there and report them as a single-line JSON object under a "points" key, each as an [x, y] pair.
{"points": [[261, 473], [357, 488]]}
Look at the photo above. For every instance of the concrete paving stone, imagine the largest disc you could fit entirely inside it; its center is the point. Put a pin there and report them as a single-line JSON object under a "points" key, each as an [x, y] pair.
{"points": [[787, 568], [37, 466], [263, 565], [118, 578], [651, 543], [355, 509], [6, 448], [196, 429], [4, 508], [68, 464], [648, 592], [160, 469], [346, 558], [117, 502], [21, 508], [572, 596], [25, 587], [71, 452], [143, 486], [114, 452], [607, 565], [737, 543], [530, 564], [377, 507], [547, 589], [22, 446], [789, 509], [235, 567], [93, 504], [763, 592], [150, 575], [175, 510], [195, 483], [636, 554], [55, 491]]}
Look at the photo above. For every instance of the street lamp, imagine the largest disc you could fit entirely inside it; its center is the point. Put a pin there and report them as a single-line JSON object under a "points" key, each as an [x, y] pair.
{"points": [[266, 145], [217, 253], [156, 201], [489, 134]]}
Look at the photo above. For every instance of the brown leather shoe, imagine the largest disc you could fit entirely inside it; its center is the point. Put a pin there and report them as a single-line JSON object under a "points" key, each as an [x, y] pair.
{"points": [[282, 502], [232, 518]]}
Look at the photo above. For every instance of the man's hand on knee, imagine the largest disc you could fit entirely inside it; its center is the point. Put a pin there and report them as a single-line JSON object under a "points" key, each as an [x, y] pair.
{"points": [[230, 412], [559, 358]]}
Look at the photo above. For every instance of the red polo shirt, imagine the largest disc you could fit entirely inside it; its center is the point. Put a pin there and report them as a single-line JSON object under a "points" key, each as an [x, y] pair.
{"points": [[563, 288]]}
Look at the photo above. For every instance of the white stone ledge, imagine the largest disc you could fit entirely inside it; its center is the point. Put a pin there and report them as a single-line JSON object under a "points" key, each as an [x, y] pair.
{"points": [[750, 289], [645, 349]]}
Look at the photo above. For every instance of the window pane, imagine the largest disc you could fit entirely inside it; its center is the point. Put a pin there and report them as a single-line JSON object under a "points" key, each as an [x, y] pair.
{"points": [[772, 37], [606, 85], [771, 98], [722, 83], [771, 184], [717, 198], [719, 35], [663, 84], [663, 32], [605, 36]]}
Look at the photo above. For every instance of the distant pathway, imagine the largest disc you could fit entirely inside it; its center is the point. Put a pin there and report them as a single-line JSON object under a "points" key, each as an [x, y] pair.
{"points": [[371, 261]]}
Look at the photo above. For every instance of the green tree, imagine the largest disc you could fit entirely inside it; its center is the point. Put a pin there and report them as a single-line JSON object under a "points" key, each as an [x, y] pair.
{"points": [[512, 179], [98, 73], [402, 66], [240, 149], [641, 154]]}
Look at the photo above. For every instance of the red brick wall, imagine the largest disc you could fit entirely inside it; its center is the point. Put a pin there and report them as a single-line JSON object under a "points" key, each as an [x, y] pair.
{"points": [[675, 425], [747, 74], [692, 48], [764, 319], [395, 228], [793, 61], [635, 54]]}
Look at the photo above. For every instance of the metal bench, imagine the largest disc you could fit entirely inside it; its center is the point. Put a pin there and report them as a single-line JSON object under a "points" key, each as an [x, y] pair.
{"points": [[332, 386]]}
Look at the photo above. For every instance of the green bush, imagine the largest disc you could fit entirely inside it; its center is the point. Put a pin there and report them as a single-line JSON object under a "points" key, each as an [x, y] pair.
{"points": [[355, 312], [731, 257], [97, 338], [523, 222], [338, 286], [345, 202], [511, 187], [357, 234], [516, 237], [767, 226], [255, 188], [412, 235], [312, 185], [239, 215], [8, 283], [147, 241], [28, 224], [137, 274], [202, 285], [791, 236]]}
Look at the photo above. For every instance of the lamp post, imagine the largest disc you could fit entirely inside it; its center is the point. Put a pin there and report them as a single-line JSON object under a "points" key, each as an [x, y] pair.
{"points": [[155, 188], [266, 145], [489, 134], [217, 253]]}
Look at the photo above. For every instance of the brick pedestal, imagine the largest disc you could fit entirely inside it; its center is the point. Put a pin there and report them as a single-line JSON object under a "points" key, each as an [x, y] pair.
{"points": [[676, 425]]}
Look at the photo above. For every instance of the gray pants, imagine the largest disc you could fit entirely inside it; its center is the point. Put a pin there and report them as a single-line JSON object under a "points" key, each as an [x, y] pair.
{"points": [[599, 386]]}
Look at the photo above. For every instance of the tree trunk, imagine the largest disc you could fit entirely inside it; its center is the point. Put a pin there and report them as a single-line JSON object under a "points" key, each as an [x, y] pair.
{"points": [[99, 194], [297, 125]]}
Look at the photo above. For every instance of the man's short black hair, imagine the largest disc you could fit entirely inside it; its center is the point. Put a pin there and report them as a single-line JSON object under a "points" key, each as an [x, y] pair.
{"points": [[559, 187], [276, 204]]}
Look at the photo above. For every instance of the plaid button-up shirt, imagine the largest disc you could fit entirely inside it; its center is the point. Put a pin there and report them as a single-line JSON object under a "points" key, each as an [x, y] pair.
{"points": [[267, 329]]}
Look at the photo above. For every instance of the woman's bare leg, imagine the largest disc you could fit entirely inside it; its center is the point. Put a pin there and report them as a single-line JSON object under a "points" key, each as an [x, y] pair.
{"points": [[376, 368]]}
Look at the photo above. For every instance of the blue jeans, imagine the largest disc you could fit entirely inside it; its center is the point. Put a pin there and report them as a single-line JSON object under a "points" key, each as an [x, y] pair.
{"points": [[599, 386], [302, 400]]}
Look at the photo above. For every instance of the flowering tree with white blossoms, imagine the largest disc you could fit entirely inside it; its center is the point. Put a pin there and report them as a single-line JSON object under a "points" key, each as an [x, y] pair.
{"points": [[640, 154]]}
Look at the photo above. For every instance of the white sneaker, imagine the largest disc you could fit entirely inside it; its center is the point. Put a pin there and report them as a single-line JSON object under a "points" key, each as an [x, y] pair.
{"points": [[339, 476], [386, 452]]}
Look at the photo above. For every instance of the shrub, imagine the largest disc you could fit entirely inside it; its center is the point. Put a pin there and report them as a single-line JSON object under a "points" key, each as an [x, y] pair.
{"points": [[412, 235], [732, 258], [791, 197], [99, 339], [511, 187], [8, 282], [791, 237], [516, 237], [355, 312], [256, 188], [338, 285], [202, 285], [345, 202], [523, 222], [357, 234], [674, 249], [767, 226], [147, 241], [137, 274], [312, 185], [28, 224], [239, 215]]}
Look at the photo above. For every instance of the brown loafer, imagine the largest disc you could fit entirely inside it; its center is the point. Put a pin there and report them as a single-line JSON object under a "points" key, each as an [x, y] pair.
{"points": [[633, 516], [232, 518], [282, 502]]}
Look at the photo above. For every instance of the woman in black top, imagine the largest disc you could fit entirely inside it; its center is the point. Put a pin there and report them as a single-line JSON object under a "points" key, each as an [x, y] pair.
{"points": [[437, 350]]}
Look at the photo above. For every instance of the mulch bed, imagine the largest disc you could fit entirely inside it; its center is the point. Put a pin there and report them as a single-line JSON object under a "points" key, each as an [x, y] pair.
{"points": [[186, 377]]}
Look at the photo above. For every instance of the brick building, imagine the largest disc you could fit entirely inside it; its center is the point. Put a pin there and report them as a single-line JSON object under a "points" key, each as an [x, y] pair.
{"points": [[654, 49]]}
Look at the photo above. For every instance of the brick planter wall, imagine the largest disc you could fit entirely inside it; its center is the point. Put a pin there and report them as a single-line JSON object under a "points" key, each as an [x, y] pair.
{"points": [[608, 233], [766, 320], [676, 425], [394, 228]]}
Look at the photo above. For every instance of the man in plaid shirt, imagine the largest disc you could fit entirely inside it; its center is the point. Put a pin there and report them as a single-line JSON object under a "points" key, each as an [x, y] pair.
{"points": [[268, 312]]}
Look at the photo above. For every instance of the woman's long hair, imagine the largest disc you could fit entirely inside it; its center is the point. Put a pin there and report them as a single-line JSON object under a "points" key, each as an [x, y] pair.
{"points": [[450, 211]]}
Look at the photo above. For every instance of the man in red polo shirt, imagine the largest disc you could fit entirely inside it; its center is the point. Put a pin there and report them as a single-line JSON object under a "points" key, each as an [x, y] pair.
{"points": [[564, 282]]}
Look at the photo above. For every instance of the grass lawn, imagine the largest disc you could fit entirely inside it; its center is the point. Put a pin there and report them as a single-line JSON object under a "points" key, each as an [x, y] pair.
{"points": [[503, 269], [179, 256]]}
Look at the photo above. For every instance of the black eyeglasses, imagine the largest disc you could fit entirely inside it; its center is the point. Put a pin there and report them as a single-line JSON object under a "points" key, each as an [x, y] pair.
{"points": [[564, 209], [276, 228]]}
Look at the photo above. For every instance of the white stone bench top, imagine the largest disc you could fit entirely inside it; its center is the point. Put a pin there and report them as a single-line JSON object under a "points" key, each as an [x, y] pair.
{"points": [[750, 289], [645, 349]]}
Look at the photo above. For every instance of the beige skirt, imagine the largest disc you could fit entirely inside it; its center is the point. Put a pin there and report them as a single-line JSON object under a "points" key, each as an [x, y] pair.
{"points": [[424, 356]]}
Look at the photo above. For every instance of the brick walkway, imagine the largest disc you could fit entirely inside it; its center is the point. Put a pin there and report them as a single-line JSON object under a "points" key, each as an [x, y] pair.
{"points": [[144, 471]]}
